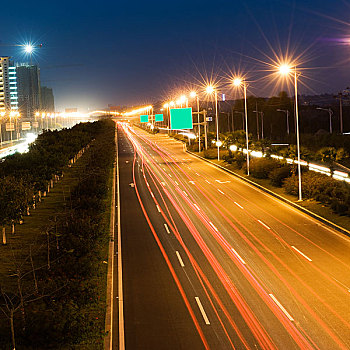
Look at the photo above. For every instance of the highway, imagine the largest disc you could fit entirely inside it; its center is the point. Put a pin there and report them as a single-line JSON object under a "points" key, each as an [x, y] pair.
{"points": [[211, 262]]}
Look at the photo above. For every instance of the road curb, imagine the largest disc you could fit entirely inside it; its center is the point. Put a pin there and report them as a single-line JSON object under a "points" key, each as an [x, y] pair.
{"points": [[285, 200]]}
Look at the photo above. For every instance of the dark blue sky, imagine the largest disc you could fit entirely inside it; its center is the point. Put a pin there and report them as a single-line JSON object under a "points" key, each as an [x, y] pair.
{"points": [[132, 52]]}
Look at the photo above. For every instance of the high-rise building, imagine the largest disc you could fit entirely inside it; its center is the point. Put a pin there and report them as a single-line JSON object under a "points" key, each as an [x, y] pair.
{"points": [[8, 85], [29, 91], [47, 99]]}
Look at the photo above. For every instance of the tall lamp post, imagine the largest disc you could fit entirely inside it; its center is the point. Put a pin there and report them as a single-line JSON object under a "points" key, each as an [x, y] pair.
{"points": [[329, 110], [241, 82], [211, 90], [287, 115], [286, 70], [193, 94]]}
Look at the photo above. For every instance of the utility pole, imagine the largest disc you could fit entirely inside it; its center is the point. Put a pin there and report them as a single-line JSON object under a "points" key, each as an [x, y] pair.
{"points": [[340, 96], [257, 119]]}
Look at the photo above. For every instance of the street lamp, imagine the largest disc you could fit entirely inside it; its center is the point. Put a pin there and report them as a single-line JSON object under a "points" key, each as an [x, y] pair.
{"points": [[241, 82], [286, 70], [210, 90], [287, 115], [329, 110], [193, 94]]}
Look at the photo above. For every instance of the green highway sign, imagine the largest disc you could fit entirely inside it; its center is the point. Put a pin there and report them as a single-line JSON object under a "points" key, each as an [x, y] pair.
{"points": [[181, 118], [159, 117], [144, 118]]}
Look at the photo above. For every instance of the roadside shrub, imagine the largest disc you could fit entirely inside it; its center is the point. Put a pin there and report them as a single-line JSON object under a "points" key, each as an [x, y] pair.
{"points": [[210, 153], [260, 168], [228, 159], [322, 188], [239, 160], [278, 175]]}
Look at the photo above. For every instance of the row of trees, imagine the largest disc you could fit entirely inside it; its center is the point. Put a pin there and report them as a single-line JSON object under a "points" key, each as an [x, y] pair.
{"points": [[59, 301], [25, 178]]}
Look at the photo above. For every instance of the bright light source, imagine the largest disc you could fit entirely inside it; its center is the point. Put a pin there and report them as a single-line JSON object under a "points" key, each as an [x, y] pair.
{"points": [[166, 105], [28, 48], [218, 143], [237, 81], [209, 89], [172, 104], [233, 148], [30, 137], [193, 94], [284, 69], [182, 99]]}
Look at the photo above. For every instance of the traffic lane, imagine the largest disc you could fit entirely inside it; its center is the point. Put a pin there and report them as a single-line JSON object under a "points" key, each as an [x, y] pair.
{"points": [[275, 329], [313, 279], [155, 314], [184, 270]]}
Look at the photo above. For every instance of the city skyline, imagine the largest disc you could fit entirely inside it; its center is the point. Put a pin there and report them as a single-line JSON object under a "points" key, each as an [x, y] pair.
{"points": [[123, 54]]}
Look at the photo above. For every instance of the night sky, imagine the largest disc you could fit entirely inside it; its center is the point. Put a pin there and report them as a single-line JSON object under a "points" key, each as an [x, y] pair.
{"points": [[133, 52]]}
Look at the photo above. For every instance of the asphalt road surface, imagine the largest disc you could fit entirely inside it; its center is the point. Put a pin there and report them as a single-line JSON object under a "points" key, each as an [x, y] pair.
{"points": [[210, 262]]}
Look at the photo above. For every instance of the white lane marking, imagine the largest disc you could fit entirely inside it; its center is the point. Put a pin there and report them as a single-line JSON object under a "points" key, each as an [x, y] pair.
{"points": [[180, 259], [185, 193], [238, 205], [191, 182], [281, 307], [214, 227], [221, 191], [197, 207], [197, 174], [296, 249], [264, 225], [205, 317], [152, 194], [170, 175], [176, 183], [207, 182], [222, 182], [238, 256], [166, 227], [158, 207], [147, 184]]}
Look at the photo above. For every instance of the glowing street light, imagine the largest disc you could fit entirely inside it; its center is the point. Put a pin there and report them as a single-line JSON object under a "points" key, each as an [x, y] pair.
{"points": [[193, 95], [238, 82], [210, 89], [28, 48], [286, 70]]}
